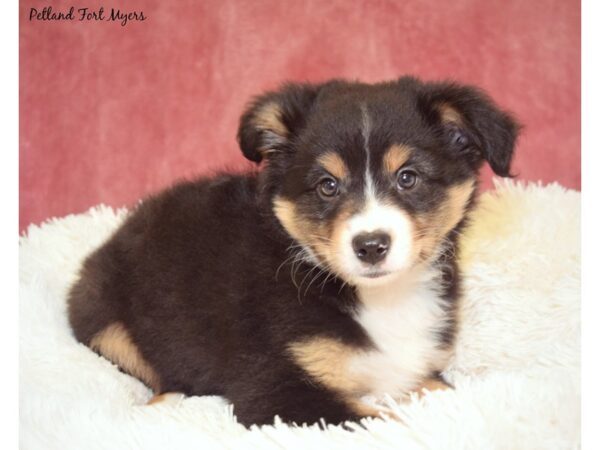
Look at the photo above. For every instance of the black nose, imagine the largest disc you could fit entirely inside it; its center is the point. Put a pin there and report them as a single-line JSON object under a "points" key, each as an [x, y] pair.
{"points": [[371, 247]]}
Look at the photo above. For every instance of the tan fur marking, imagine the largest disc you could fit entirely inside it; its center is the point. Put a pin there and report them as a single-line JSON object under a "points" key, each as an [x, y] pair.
{"points": [[432, 227], [329, 247], [311, 234], [453, 209], [328, 361], [164, 397], [395, 157], [432, 384], [269, 118], [449, 115], [115, 344], [285, 211], [322, 238], [334, 164]]}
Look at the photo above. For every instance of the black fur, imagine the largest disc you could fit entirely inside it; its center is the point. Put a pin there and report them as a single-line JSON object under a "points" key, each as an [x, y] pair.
{"points": [[198, 274]]}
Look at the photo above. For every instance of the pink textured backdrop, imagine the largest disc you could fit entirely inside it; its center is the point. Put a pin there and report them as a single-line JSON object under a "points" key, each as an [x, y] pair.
{"points": [[110, 113]]}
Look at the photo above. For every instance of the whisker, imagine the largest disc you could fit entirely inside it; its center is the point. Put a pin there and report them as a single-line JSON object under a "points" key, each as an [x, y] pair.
{"points": [[293, 256], [325, 281], [321, 272]]}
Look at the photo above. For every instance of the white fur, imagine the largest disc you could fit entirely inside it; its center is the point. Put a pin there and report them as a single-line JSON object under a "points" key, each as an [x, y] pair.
{"points": [[376, 216], [401, 318], [366, 133], [515, 369]]}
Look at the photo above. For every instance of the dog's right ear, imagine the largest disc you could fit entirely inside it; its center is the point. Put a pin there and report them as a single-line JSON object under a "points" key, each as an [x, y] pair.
{"points": [[273, 119]]}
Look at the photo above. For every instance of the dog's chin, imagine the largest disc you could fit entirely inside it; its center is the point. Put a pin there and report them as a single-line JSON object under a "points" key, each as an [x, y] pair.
{"points": [[372, 277], [375, 278]]}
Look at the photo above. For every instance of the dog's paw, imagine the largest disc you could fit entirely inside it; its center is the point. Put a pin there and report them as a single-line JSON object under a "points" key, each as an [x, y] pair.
{"points": [[167, 398], [431, 385]]}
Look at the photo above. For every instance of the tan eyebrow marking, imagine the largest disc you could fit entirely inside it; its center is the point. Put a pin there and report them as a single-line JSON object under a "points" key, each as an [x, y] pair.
{"points": [[334, 164], [395, 157], [448, 114]]}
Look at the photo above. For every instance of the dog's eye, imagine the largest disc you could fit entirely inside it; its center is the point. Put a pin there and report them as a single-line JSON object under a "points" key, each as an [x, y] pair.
{"points": [[406, 178], [458, 138], [328, 187]]}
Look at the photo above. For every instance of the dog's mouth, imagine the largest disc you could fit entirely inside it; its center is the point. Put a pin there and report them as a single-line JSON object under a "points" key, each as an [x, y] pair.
{"points": [[362, 276], [375, 273]]}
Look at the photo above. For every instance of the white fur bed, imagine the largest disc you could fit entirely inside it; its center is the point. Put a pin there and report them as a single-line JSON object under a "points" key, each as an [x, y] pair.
{"points": [[516, 368]]}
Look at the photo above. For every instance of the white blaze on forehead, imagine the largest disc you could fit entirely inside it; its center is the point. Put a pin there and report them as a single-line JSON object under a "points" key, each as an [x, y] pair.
{"points": [[375, 216], [366, 132]]}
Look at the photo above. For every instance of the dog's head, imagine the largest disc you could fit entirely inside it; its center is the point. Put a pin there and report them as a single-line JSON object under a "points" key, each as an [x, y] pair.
{"points": [[371, 179]]}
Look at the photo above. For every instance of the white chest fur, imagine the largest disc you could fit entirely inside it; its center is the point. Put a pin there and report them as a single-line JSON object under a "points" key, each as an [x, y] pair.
{"points": [[401, 318]]}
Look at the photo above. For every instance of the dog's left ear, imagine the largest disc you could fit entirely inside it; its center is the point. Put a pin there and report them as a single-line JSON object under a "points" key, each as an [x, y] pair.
{"points": [[472, 123]]}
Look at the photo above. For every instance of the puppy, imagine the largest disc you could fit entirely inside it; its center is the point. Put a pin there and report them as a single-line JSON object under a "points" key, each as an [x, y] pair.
{"points": [[325, 278]]}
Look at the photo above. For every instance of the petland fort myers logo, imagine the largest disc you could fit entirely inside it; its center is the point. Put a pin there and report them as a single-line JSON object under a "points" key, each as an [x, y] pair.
{"points": [[87, 15]]}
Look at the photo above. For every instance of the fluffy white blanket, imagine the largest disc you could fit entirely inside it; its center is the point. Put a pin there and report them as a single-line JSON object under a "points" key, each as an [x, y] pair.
{"points": [[516, 368]]}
